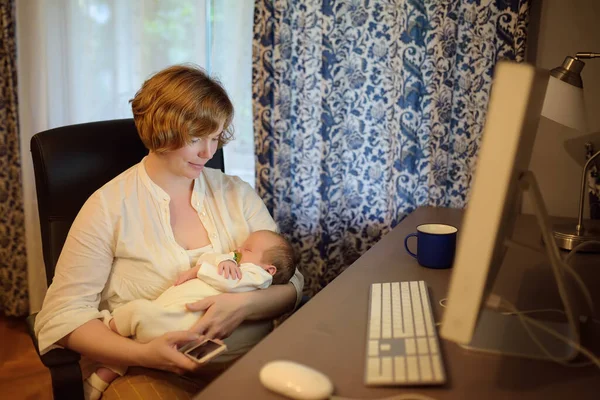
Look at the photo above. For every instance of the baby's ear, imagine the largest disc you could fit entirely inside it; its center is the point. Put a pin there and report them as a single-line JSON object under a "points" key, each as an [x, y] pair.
{"points": [[271, 269]]}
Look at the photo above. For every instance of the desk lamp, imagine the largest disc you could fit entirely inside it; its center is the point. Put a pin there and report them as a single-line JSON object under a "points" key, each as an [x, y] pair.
{"points": [[564, 104]]}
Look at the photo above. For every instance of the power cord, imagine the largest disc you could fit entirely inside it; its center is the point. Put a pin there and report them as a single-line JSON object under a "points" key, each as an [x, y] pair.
{"points": [[576, 276], [579, 247], [496, 302], [582, 318], [528, 322]]}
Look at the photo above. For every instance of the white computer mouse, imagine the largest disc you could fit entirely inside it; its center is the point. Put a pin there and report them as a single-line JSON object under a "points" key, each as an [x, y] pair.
{"points": [[295, 380]]}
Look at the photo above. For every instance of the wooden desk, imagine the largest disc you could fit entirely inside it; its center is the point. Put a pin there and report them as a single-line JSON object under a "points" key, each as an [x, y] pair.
{"points": [[328, 333]]}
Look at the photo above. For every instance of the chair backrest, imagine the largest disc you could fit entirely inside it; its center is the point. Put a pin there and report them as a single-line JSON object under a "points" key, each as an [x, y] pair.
{"points": [[72, 162]]}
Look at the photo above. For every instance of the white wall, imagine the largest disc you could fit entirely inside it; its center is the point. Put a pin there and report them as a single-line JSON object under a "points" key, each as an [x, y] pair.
{"points": [[560, 28]]}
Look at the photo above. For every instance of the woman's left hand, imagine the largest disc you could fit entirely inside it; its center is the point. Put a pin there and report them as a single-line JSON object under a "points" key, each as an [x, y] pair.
{"points": [[223, 314]]}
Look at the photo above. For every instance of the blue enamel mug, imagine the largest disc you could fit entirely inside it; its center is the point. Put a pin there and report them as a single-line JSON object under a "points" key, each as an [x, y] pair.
{"points": [[436, 245]]}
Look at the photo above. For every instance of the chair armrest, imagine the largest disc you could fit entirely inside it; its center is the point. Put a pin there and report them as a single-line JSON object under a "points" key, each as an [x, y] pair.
{"points": [[67, 381]]}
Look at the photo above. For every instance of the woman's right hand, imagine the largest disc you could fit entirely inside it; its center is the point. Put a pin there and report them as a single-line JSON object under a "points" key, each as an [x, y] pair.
{"points": [[161, 353]]}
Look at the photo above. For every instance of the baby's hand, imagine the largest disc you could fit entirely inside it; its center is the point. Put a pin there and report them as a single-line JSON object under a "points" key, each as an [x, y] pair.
{"points": [[230, 269], [187, 275]]}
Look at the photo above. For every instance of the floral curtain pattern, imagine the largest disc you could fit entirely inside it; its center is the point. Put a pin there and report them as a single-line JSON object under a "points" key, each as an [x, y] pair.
{"points": [[367, 109], [13, 257], [593, 182]]}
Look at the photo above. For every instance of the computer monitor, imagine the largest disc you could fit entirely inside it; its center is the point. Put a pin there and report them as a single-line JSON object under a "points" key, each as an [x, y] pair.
{"points": [[513, 115]]}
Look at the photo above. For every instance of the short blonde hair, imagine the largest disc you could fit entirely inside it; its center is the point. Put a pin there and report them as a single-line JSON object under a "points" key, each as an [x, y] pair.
{"points": [[179, 103]]}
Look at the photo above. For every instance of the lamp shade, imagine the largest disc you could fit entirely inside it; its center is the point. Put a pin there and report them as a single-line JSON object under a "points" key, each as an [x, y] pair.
{"points": [[564, 104]]}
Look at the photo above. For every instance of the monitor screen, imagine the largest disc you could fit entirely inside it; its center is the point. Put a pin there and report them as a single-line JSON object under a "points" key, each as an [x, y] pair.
{"points": [[513, 115]]}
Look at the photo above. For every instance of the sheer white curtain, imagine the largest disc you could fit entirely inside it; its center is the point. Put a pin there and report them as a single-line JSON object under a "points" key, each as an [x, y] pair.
{"points": [[82, 60]]}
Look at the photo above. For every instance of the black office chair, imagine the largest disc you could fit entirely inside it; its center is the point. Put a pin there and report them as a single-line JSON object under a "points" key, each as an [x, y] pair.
{"points": [[70, 163]]}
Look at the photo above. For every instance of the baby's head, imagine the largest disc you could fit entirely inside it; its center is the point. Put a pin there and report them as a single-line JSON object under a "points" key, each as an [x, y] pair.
{"points": [[272, 252]]}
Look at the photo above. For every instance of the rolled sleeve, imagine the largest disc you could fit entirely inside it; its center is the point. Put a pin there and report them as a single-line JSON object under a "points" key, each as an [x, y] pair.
{"points": [[81, 274], [298, 281]]}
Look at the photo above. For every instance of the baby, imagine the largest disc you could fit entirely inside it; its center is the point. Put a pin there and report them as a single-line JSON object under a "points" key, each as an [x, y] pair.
{"points": [[265, 258]]}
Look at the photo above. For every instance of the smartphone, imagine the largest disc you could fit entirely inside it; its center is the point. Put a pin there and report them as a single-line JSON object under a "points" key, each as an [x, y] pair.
{"points": [[202, 350]]}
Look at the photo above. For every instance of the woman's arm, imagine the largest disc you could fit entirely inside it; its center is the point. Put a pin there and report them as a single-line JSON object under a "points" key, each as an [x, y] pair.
{"points": [[81, 273], [225, 312], [70, 315], [94, 340], [270, 303]]}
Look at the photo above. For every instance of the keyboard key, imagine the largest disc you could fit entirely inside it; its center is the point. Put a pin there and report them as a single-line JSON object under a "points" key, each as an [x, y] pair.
{"points": [[425, 368], [375, 320], [407, 317], [433, 347], [412, 366], [427, 307], [372, 369], [438, 372], [417, 309], [386, 369], [400, 369], [386, 311], [396, 311], [373, 348], [422, 346]]}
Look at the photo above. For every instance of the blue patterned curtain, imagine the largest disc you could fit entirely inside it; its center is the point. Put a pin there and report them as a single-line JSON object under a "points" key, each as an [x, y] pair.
{"points": [[14, 300], [367, 109]]}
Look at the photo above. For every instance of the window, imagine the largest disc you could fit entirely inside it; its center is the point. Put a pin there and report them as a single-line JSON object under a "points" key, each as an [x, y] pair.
{"points": [[101, 51]]}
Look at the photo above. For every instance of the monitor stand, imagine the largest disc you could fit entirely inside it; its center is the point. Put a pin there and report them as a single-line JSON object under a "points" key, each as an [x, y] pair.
{"points": [[507, 334]]}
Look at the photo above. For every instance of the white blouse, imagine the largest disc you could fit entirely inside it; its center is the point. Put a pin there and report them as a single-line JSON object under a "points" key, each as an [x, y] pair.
{"points": [[121, 246]]}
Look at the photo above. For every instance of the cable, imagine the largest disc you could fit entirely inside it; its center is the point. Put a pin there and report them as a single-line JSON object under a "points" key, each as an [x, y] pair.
{"points": [[579, 247], [526, 321], [582, 318], [541, 310], [522, 317], [443, 302], [570, 269], [582, 286], [565, 265], [495, 302]]}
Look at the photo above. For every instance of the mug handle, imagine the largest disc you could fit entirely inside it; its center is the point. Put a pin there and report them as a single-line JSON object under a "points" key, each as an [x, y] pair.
{"points": [[406, 244]]}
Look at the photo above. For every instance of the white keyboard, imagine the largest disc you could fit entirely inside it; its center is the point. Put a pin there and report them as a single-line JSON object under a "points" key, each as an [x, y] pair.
{"points": [[402, 340]]}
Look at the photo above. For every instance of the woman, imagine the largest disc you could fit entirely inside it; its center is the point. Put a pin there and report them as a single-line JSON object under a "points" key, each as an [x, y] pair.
{"points": [[134, 235]]}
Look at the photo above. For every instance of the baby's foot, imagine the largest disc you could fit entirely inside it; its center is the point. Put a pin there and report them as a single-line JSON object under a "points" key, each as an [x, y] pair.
{"points": [[96, 384]]}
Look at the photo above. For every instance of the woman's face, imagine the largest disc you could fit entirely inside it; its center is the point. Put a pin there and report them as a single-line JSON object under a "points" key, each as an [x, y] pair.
{"points": [[188, 161]]}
